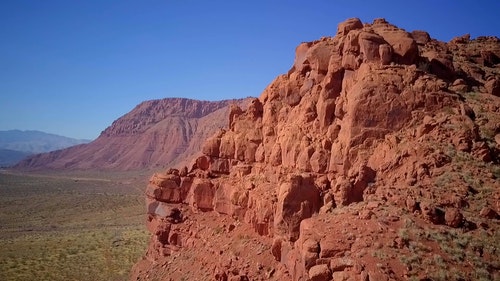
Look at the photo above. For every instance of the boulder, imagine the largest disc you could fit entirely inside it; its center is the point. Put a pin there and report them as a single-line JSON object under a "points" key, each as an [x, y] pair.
{"points": [[298, 199], [344, 27], [405, 49], [201, 195], [203, 162], [369, 46], [453, 217], [420, 37], [488, 213], [492, 87], [211, 147], [319, 273], [385, 53]]}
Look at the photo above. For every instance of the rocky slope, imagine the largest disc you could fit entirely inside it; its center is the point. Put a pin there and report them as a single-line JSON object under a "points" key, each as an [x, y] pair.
{"points": [[376, 157], [154, 134]]}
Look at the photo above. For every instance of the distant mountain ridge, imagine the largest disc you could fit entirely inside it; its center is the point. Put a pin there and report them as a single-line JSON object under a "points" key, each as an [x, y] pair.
{"points": [[32, 141], [156, 133], [10, 157], [16, 145]]}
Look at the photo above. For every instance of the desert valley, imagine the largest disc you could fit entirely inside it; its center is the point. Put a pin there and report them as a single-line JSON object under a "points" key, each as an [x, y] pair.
{"points": [[375, 157]]}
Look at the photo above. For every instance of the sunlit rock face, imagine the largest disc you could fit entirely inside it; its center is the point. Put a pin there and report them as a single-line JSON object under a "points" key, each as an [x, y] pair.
{"points": [[340, 165]]}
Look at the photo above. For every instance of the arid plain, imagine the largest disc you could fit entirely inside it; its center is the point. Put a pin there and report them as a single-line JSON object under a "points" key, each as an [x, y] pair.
{"points": [[71, 226]]}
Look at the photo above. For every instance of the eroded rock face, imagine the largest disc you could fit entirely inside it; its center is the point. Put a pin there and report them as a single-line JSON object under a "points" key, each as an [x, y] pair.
{"points": [[363, 136], [298, 199]]}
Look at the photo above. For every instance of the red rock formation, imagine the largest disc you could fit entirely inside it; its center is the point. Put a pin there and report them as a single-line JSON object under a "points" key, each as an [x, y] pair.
{"points": [[358, 164], [154, 134]]}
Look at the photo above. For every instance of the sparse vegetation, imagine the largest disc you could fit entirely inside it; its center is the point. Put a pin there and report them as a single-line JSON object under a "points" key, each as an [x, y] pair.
{"points": [[495, 170], [450, 254], [59, 228], [471, 95], [410, 260], [218, 230], [379, 254]]}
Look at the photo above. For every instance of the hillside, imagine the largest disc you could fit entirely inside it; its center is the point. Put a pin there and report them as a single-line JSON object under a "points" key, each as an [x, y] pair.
{"points": [[376, 157], [154, 134]]}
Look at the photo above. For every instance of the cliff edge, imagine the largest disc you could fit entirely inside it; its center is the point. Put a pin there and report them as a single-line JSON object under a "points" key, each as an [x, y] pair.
{"points": [[376, 157]]}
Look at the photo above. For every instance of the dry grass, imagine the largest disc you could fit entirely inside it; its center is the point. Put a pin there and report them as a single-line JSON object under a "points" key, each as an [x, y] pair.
{"points": [[449, 254], [70, 228]]}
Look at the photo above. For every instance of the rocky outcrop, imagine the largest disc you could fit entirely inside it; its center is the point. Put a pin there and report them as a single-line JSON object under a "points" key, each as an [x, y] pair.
{"points": [[153, 135], [349, 167]]}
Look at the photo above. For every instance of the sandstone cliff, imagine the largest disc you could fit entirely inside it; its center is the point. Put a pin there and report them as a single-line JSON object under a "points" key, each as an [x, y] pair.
{"points": [[374, 158], [154, 134]]}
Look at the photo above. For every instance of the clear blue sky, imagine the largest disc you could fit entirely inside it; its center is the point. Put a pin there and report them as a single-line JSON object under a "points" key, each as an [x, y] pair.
{"points": [[72, 67]]}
